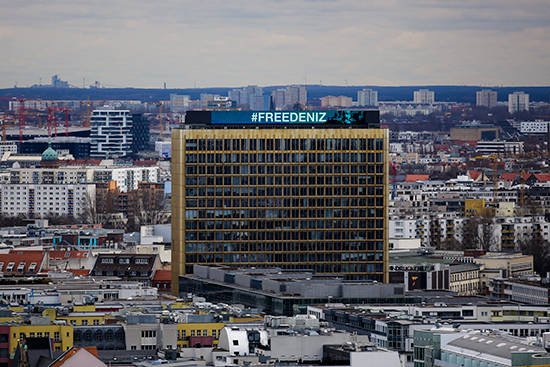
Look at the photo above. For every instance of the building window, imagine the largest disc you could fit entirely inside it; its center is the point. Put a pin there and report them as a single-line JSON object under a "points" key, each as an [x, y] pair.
{"points": [[96, 322], [142, 261], [148, 333], [84, 322], [107, 260]]}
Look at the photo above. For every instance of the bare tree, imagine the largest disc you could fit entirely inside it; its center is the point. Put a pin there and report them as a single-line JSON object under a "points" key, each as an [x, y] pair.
{"points": [[478, 231], [101, 209], [90, 212], [531, 242], [148, 204]]}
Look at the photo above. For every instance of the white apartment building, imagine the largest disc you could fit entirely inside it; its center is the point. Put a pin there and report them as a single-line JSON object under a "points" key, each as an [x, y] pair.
{"points": [[424, 96], [518, 101], [534, 127], [6, 146], [332, 101], [43, 199], [62, 175], [367, 97], [127, 178], [111, 133], [403, 228], [487, 98]]}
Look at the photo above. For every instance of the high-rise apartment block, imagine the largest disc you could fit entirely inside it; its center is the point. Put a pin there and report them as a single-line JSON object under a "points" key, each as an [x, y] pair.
{"points": [[487, 98], [111, 133], [367, 97], [332, 101], [295, 190], [424, 96], [287, 98], [245, 95], [518, 101]]}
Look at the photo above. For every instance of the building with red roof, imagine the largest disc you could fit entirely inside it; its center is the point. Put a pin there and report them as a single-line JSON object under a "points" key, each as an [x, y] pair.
{"points": [[414, 178], [163, 281], [23, 263]]}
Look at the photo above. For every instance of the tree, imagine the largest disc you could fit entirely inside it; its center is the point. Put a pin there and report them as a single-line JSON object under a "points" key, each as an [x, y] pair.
{"points": [[478, 231], [101, 209], [531, 242], [148, 202], [90, 213]]}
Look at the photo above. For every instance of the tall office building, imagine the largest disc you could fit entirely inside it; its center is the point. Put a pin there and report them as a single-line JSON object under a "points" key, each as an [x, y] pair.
{"points": [[111, 133], [140, 133], [487, 98], [518, 101], [367, 97], [296, 190], [424, 96]]}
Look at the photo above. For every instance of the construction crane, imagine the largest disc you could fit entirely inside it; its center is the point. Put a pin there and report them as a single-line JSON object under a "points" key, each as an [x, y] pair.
{"points": [[393, 170], [494, 165], [5, 121], [89, 104]]}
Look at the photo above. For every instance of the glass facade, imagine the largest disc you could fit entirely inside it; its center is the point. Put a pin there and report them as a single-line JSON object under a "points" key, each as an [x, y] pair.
{"points": [[292, 198]]}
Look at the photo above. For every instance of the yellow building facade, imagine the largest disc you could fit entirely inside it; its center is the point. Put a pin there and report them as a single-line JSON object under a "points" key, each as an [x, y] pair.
{"points": [[186, 330], [62, 335], [296, 198]]}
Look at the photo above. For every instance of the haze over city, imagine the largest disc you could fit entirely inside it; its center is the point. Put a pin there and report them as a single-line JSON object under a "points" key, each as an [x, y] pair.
{"points": [[223, 43]]}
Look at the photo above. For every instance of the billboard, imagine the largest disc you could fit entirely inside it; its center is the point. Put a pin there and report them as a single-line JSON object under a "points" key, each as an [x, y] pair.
{"points": [[359, 117]]}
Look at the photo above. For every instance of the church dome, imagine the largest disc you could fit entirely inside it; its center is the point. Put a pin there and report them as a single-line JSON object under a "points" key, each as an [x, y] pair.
{"points": [[50, 155]]}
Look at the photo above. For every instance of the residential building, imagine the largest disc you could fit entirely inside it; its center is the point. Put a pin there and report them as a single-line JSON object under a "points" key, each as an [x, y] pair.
{"points": [[518, 101], [535, 292], [61, 335], [487, 98], [534, 127], [278, 99], [179, 103], [76, 357], [424, 96], [367, 98], [40, 200], [143, 332], [140, 267], [127, 178], [259, 190], [340, 101], [499, 147], [295, 94], [199, 329], [102, 337], [111, 133], [23, 263]]}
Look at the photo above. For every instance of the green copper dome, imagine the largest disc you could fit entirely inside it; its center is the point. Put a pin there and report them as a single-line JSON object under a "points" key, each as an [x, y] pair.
{"points": [[50, 154]]}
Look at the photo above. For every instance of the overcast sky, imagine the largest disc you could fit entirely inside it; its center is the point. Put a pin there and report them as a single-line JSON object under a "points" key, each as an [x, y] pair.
{"points": [[231, 43]]}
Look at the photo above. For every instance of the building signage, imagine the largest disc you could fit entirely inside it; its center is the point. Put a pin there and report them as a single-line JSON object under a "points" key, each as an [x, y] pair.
{"points": [[359, 117]]}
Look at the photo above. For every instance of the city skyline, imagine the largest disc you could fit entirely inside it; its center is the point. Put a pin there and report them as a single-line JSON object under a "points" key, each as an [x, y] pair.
{"points": [[218, 43]]}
